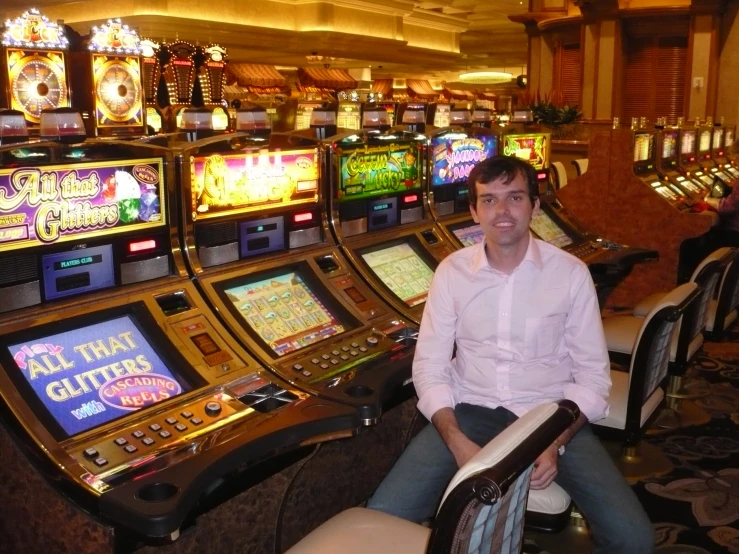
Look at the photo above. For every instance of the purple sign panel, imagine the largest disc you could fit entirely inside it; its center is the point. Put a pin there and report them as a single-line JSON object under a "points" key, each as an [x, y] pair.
{"points": [[50, 204]]}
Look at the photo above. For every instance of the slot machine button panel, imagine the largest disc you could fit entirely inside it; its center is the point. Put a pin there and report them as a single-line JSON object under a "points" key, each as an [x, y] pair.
{"points": [[91, 453]]}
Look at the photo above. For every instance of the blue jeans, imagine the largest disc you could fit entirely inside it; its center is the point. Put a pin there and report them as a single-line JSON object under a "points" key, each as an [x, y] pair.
{"points": [[413, 488]]}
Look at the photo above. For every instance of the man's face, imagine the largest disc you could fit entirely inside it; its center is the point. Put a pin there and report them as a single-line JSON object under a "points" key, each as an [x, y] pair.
{"points": [[504, 210]]}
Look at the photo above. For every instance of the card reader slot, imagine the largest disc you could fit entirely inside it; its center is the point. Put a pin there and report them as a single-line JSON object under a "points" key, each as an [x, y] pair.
{"points": [[76, 281], [174, 303]]}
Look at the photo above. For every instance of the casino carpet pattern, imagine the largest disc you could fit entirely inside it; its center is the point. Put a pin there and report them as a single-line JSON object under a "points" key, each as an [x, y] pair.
{"points": [[695, 508]]}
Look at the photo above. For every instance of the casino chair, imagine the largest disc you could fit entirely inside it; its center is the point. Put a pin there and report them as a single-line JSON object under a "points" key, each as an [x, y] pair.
{"points": [[637, 395], [686, 343], [560, 175], [581, 165], [482, 510], [722, 312]]}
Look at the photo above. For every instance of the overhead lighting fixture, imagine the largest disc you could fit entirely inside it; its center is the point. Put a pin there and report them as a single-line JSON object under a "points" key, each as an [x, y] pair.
{"points": [[486, 77]]}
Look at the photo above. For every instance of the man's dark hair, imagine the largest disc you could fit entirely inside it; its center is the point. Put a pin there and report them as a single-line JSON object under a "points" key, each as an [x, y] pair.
{"points": [[496, 167]]}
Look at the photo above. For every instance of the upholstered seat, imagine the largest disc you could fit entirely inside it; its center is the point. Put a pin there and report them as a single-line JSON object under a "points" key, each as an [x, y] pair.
{"points": [[552, 500], [560, 174], [581, 166], [481, 510], [636, 396], [722, 312]]}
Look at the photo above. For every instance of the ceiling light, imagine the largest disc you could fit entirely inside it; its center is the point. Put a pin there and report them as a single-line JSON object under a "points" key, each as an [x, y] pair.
{"points": [[486, 77]]}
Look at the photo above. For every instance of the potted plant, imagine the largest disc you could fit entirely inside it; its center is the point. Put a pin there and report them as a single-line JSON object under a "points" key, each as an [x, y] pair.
{"points": [[554, 113]]}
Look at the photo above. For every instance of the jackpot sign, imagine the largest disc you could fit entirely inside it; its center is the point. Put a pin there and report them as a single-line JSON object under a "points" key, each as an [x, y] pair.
{"points": [[227, 184], [377, 170], [44, 205], [454, 158]]}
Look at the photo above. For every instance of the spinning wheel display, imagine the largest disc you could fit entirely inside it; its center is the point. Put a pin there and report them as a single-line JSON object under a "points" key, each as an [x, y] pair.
{"points": [[37, 83], [118, 92]]}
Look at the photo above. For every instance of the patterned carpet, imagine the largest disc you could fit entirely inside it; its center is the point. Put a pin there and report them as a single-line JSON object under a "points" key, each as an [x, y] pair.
{"points": [[695, 508]]}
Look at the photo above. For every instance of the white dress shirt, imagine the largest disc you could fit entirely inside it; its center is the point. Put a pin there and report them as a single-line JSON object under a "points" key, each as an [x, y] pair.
{"points": [[522, 339]]}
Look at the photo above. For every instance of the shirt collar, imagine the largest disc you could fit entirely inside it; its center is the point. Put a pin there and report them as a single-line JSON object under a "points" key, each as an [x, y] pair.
{"points": [[533, 255]]}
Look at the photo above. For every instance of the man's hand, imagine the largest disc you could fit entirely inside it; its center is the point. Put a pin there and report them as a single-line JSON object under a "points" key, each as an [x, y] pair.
{"points": [[463, 449], [456, 441], [545, 468]]}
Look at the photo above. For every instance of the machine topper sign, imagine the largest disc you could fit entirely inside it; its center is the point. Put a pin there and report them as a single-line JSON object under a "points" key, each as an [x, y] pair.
{"points": [[374, 171], [226, 184], [454, 157], [67, 202]]}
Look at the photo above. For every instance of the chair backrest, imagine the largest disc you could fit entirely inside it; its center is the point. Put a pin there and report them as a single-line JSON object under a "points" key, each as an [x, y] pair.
{"points": [[728, 292], [581, 165], [483, 507], [560, 174], [651, 354], [706, 276]]}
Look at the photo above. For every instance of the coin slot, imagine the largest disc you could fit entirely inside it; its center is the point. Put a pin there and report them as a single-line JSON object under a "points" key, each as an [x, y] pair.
{"points": [[174, 303]]}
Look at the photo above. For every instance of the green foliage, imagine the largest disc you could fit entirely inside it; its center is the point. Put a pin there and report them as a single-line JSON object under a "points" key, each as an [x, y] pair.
{"points": [[547, 113]]}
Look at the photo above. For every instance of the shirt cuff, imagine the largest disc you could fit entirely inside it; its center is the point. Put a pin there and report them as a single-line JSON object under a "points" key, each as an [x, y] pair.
{"points": [[591, 404], [434, 399]]}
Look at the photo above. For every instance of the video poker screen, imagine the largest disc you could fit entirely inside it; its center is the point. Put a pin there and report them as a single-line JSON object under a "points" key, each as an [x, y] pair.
{"points": [[687, 142], [643, 147], [669, 145], [285, 311], [470, 234], [401, 269], [705, 141], [90, 374], [548, 230]]}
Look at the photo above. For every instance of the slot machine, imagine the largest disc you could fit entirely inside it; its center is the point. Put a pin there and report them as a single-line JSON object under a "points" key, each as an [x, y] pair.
{"points": [[533, 148], [116, 379], [34, 73], [482, 117], [378, 215], [719, 160], [413, 114], [108, 81], [439, 115], [688, 165], [349, 111], [151, 72], [212, 79], [259, 246], [668, 152], [178, 69], [303, 114], [729, 149]]}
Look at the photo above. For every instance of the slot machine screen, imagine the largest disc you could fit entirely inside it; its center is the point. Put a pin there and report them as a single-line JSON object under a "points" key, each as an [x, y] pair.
{"points": [[664, 191], [401, 269], [687, 143], [469, 234], [349, 116], [530, 148], [548, 230], [442, 115], [669, 146], [302, 115], [154, 119], [226, 184], [643, 147], [718, 138], [371, 171], [390, 108], [89, 199], [286, 310], [87, 371], [704, 145], [455, 155], [728, 138]]}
